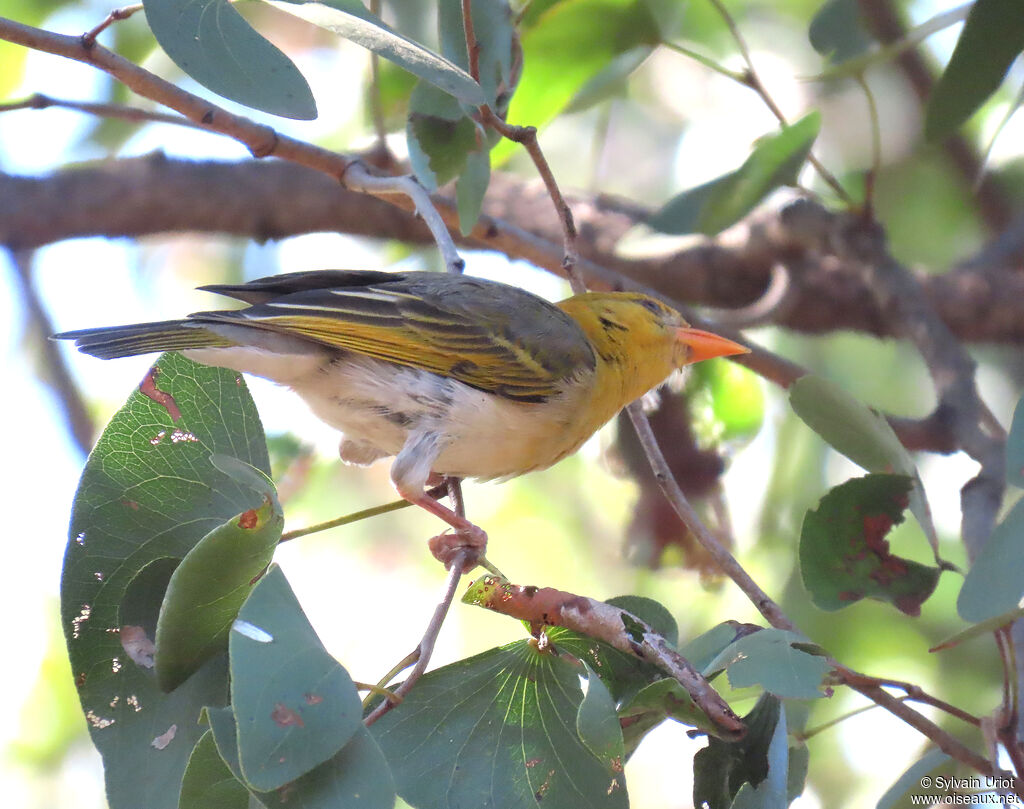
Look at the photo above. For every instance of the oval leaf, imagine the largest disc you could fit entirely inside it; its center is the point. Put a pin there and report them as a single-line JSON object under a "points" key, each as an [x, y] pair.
{"points": [[844, 555], [995, 583], [294, 705], [147, 495], [715, 205], [991, 39], [862, 435], [214, 45], [773, 660], [440, 136], [350, 19], [1015, 448], [356, 777], [208, 588], [208, 782]]}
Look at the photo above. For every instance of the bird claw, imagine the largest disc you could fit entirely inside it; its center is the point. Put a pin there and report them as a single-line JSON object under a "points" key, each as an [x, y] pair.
{"points": [[448, 545]]}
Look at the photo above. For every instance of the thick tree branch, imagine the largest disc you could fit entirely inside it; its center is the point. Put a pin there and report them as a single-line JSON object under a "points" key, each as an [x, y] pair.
{"points": [[981, 300]]}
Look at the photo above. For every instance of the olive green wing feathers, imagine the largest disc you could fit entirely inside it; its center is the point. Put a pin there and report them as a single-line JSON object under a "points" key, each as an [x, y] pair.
{"points": [[491, 336]]}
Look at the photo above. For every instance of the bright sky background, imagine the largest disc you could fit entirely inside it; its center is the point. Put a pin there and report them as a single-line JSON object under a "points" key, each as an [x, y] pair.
{"points": [[95, 282]]}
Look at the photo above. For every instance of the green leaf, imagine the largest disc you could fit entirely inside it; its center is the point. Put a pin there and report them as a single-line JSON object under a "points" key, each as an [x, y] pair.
{"points": [[497, 729], [837, 31], [857, 64], [567, 44], [440, 136], [597, 725], [493, 30], [147, 495], [995, 583], [350, 19], [471, 187], [773, 791], [653, 612], [611, 81], [294, 705], [910, 782], [652, 704], [1015, 448], [773, 660], [715, 205], [356, 777], [862, 435], [844, 555], [722, 768], [214, 45], [991, 39], [208, 588], [208, 782], [986, 627], [704, 649]]}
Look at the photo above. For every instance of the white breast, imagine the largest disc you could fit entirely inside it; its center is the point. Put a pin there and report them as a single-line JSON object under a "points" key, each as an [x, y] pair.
{"points": [[376, 405]]}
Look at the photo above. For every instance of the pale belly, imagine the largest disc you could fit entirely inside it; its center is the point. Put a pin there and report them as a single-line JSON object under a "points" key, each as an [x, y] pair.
{"points": [[377, 406]]}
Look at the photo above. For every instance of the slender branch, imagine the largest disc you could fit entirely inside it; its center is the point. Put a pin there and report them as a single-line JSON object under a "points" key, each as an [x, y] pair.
{"points": [[707, 61], [527, 136], [994, 204], [753, 81], [262, 141], [366, 513], [38, 101], [876, 145], [913, 692], [376, 106], [358, 178], [53, 370], [546, 606], [425, 649], [89, 38]]}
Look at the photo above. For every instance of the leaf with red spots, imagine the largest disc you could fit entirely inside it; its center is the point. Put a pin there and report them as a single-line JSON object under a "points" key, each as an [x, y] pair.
{"points": [[863, 435], [282, 733], [148, 494], [844, 555]]}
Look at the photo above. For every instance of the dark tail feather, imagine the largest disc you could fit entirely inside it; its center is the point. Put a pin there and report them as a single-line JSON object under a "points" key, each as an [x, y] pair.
{"points": [[143, 338]]}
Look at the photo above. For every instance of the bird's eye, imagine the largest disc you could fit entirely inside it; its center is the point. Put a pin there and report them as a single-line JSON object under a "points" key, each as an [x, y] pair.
{"points": [[652, 306]]}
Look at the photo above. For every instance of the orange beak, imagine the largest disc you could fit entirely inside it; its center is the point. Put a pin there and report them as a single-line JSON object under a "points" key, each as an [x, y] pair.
{"points": [[704, 345]]}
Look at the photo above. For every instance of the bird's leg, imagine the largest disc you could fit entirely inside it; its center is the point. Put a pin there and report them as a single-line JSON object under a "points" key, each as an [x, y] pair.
{"points": [[410, 473]]}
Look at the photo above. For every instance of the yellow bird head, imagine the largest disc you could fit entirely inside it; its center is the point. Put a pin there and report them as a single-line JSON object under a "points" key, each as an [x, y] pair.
{"points": [[639, 341]]}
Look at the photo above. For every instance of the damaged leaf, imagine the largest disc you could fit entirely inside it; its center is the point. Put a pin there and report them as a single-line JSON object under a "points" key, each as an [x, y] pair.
{"points": [[144, 500], [295, 706], [844, 555]]}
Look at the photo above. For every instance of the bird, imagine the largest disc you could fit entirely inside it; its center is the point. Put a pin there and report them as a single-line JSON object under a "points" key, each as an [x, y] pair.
{"points": [[452, 375]]}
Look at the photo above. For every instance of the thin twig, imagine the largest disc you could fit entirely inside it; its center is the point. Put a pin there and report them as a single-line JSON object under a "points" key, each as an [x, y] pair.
{"points": [[527, 136], [752, 80], [425, 648], [913, 692], [89, 37], [771, 611], [876, 145], [53, 370], [38, 101], [358, 178], [262, 141], [545, 606], [376, 106]]}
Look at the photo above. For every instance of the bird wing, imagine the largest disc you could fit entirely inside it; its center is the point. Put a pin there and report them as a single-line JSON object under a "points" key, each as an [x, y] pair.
{"points": [[491, 336]]}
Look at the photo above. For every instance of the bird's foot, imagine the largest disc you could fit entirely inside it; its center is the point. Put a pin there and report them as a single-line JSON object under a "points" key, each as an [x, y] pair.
{"points": [[448, 545]]}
